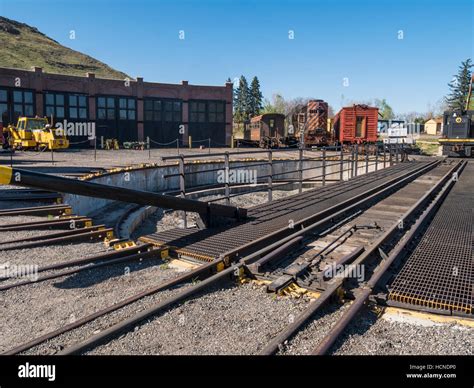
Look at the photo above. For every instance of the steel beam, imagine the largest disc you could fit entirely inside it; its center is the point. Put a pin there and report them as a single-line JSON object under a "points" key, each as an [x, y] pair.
{"points": [[19, 177]]}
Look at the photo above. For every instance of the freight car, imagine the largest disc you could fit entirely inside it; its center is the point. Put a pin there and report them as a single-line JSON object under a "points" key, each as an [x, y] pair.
{"points": [[356, 124], [266, 130], [312, 119]]}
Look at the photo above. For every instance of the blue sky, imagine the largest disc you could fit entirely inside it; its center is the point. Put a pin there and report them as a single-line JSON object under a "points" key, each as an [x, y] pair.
{"points": [[333, 40]]}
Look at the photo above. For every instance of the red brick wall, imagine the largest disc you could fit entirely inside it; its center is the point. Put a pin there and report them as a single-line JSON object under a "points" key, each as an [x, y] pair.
{"points": [[39, 81]]}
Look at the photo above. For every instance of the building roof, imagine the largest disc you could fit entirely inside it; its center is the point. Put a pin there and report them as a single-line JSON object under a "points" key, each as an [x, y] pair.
{"points": [[260, 117], [438, 120]]}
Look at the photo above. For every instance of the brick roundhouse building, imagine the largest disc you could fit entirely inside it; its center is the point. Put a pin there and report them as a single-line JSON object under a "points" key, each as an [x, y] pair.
{"points": [[127, 111]]}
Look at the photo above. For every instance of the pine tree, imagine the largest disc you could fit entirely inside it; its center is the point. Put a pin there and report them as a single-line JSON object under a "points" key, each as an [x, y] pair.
{"points": [[459, 86], [385, 110], [242, 101], [256, 97]]}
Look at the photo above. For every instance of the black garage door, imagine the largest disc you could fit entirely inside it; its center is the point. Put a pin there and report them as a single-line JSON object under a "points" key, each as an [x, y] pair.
{"points": [[163, 121], [207, 121]]}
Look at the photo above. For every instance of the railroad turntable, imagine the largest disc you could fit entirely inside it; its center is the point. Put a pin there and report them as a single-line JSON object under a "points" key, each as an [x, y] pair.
{"points": [[258, 197], [386, 236]]}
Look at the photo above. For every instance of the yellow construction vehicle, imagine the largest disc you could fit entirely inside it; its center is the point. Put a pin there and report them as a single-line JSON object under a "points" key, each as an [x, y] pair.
{"points": [[35, 133], [49, 137], [19, 137]]}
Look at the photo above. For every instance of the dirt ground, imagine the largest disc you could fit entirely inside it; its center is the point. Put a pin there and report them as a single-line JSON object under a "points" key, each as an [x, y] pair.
{"points": [[77, 160]]}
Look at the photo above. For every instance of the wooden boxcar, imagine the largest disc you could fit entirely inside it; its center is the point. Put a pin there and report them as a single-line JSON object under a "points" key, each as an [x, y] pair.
{"points": [[265, 126], [356, 124]]}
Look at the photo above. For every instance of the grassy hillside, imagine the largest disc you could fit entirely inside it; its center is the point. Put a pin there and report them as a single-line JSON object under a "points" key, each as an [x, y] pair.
{"points": [[22, 47]]}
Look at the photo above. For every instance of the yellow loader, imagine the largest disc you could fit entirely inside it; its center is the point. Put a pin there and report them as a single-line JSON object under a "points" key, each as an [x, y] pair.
{"points": [[35, 133]]}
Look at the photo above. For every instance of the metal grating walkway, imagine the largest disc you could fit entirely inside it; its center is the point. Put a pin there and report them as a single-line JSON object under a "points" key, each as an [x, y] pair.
{"points": [[264, 219], [439, 274]]}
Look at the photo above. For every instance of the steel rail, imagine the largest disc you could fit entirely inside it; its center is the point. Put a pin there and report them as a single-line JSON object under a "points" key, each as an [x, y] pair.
{"points": [[39, 224], [99, 338], [333, 285], [47, 224], [193, 274], [82, 234], [85, 260], [53, 235], [89, 189], [363, 293], [336, 210], [300, 201], [119, 327], [151, 254], [203, 270], [206, 268], [37, 210], [30, 197]]}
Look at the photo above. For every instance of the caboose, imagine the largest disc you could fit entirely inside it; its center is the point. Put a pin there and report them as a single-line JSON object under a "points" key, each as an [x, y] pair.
{"points": [[266, 130], [356, 124]]}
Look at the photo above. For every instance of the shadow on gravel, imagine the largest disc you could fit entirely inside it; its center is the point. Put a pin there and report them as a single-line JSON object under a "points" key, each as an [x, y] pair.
{"points": [[359, 326], [92, 277]]}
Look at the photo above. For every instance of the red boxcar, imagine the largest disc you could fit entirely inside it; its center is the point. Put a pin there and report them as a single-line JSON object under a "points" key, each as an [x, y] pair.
{"points": [[356, 124]]}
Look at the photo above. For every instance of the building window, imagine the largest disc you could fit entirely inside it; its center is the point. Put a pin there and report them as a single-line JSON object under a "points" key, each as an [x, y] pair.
{"points": [[127, 109], [163, 110], [207, 111], [3, 106], [3, 95], [198, 112], [105, 108], [55, 105], [152, 110], [66, 105], [216, 111], [23, 103], [77, 106], [172, 111]]}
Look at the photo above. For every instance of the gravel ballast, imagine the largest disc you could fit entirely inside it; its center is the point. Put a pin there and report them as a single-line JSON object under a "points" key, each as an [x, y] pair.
{"points": [[11, 237], [228, 320], [371, 336], [38, 308], [20, 219], [79, 334], [52, 254], [225, 319]]}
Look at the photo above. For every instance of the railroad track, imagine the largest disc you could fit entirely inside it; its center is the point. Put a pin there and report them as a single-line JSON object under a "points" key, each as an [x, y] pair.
{"points": [[26, 195], [71, 230], [362, 291], [275, 220], [228, 269], [426, 186]]}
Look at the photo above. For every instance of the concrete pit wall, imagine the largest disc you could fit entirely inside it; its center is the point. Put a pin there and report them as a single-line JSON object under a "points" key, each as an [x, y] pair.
{"points": [[153, 178]]}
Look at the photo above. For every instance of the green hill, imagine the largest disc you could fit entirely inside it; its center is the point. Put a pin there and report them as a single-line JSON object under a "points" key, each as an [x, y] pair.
{"points": [[22, 47]]}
